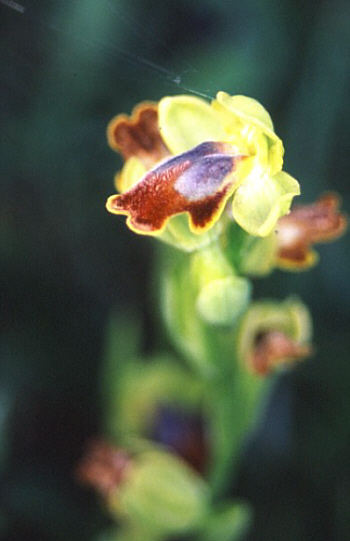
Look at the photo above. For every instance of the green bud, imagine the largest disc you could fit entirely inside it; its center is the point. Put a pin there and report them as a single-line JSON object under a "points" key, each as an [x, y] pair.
{"points": [[199, 292], [221, 301], [161, 494], [222, 296]]}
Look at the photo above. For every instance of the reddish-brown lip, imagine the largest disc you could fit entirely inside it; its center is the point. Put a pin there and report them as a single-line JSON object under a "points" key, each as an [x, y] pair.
{"points": [[306, 225], [198, 182], [273, 348]]}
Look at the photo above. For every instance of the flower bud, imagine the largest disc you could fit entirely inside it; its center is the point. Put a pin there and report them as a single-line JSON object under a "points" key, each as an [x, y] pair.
{"points": [[222, 295], [274, 334], [221, 301], [161, 494]]}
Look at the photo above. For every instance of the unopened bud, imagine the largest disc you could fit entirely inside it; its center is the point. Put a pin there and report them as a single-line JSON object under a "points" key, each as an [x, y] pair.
{"points": [[161, 493]]}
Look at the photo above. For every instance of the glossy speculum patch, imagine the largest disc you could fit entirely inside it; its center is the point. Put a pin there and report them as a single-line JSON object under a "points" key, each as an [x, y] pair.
{"points": [[198, 182]]}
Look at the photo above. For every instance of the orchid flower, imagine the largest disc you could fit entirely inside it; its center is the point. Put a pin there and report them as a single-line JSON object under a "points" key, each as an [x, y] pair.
{"points": [[185, 155]]}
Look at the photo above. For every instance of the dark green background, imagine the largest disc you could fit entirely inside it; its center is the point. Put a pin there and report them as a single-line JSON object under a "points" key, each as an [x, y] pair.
{"points": [[66, 69]]}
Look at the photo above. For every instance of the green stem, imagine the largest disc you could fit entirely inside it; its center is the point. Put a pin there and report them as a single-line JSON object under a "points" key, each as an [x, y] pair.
{"points": [[235, 402]]}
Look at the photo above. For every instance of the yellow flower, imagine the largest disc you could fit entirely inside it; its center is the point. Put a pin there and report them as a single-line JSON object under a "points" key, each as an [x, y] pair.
{"points": [[185, 155]]}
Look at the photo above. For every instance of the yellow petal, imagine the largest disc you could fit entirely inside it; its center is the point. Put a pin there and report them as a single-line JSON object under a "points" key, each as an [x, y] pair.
{"points": [[248, 110], [132, 172], [260, 200], [187, 121], [250, 127]]}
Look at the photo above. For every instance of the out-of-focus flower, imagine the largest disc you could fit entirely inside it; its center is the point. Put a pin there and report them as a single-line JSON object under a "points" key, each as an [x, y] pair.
{"points": [[147, 395], [289, 246], [162, 493], [188, 156], [152, 490], [304, 226], [273, 335], [274, 348]]}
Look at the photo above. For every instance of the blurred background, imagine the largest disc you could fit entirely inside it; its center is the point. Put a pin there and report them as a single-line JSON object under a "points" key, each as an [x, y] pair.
{"points": [[66, 264]]}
